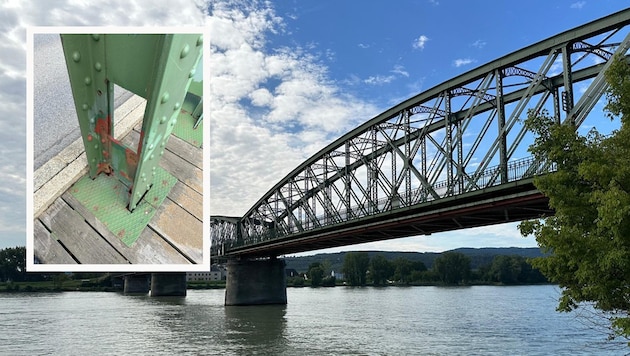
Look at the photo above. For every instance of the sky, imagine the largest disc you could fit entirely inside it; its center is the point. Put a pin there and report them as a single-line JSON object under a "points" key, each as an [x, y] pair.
{"points": [[286, 78]]}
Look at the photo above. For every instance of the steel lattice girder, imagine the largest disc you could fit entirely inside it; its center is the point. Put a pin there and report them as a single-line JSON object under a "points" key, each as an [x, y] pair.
{"points": [[414, 152], [157, 67]]}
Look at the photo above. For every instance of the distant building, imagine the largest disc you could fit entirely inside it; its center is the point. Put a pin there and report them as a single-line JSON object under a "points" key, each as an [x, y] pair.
{"points": [[291, 272], [217, 273]]}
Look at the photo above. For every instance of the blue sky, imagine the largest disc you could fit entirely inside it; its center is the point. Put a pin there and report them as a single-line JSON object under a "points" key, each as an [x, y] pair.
{"points": [[288, 77]]}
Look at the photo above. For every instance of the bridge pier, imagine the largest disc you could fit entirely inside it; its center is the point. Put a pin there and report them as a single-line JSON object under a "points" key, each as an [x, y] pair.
{"points": [[256, 282], [168, 284], [136, 284]]}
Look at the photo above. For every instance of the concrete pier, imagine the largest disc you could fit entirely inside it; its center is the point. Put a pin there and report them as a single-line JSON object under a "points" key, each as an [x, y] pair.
{"points": [[256, 282], [136, 284], [168, 284]]}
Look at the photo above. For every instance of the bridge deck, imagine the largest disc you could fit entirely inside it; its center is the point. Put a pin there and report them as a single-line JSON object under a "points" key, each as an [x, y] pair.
{"points": [[68, 233]]}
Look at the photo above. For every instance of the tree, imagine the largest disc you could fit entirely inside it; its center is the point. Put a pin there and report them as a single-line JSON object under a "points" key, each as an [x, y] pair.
{"points": [[452, 267], [355, 266], [506, 269], [315, 274], [588, 238], [380, 270], [13, 264], [402, 272]]}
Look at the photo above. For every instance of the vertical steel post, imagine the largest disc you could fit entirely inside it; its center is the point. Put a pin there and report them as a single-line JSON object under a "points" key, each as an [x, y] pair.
{"points": [[157, 67], [502, 135]]}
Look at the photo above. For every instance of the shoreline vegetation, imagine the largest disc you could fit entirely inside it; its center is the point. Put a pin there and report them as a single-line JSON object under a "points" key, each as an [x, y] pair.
{"points": [[461, 267], [98, 285]]}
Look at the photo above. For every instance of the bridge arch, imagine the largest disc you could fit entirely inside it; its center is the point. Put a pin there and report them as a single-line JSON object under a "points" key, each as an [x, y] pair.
{"points": [[451, 157]]}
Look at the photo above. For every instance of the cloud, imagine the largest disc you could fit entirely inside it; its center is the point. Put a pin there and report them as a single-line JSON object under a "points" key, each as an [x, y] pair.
{"points": [[420, 42], [292, 109], [400, 70], [578, 5], [16, 17], [479, 44], [397, 71], [462, 62]]}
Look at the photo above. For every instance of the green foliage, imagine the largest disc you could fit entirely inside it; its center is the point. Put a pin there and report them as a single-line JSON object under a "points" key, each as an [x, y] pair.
{"points": [[380, 270], [13, 264], [588, 238], [315, 274], [355, 267], [329, 281], [512, 270], [452, 268]]}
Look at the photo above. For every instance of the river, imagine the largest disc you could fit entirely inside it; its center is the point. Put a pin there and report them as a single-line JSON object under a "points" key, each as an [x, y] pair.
{"points": [[478, 320]]}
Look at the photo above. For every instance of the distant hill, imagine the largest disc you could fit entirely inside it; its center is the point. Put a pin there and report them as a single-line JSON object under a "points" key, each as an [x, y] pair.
{"points": [[478, 257]]}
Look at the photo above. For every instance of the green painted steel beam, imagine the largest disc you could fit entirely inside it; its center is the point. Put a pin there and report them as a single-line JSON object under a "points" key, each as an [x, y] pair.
{"points": [[157, 67]]}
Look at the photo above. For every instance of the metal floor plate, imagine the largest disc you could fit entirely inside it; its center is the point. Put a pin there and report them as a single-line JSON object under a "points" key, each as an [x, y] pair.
{"points": [[184, 126], [107, 199]]}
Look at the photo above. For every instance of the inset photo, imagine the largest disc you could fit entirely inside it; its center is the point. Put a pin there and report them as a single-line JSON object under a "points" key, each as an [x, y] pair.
{"points": [[116, 147]]}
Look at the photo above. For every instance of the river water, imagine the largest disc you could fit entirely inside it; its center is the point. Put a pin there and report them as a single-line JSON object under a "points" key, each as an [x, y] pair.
{"points": [[479, 320]]}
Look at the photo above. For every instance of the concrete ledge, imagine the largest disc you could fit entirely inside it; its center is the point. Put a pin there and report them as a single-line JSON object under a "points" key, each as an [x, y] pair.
{"points": [[53, 178]]}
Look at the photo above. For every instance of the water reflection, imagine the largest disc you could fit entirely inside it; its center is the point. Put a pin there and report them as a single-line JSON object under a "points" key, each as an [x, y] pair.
{"points": [[260, 328]]}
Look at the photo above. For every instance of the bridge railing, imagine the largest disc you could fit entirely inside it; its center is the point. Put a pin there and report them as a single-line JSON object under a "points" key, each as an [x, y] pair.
{"points": [[226, 237]]}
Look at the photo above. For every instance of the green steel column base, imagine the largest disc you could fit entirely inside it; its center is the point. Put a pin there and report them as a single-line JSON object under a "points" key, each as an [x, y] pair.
{"points": [[107, 199], [185, 126], [184, 130]]}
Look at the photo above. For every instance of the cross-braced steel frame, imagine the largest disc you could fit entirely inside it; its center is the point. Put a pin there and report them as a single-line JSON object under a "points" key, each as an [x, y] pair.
{"points": [[462, 136]]}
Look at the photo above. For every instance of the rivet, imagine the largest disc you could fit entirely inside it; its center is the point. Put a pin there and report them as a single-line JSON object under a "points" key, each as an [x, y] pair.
{"points": [[142, 175], [153, 168], [93, 160], [96, 147], [96, 37], [84, 107], [98, 66], [192, 73], [87, 80], [151, 146], [163, 119], [200, 40], [91, 120], [137, 194], [165, 97], [152, 157], [177, 106], [76, 56], [103, 140], [144, 179], [173, 122], [162, 153], [148, 187], [184, 51], [90, 137], [163, 143]]}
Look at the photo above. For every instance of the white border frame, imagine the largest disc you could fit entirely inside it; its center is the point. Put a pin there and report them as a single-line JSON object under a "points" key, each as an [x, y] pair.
{"points": [[30, 256]]}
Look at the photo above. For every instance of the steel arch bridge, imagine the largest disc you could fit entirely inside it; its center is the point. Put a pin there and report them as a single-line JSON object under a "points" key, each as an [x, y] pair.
{"points": [[452, 157]]}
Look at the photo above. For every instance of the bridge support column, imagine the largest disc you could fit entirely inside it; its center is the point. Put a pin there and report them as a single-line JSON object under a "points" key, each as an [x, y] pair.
{"points": [[136, 284], [168, 284], [256, 282]]}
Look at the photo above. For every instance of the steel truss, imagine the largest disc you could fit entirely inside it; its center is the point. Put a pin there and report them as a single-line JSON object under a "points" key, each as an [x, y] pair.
{"points": [[464, 135], [157, 67]]}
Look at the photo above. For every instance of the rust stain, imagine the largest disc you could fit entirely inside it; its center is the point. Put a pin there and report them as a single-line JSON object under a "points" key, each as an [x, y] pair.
{"points": [[95, 208], [121, 233], [104, 168], [164, 183]]}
